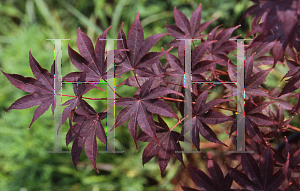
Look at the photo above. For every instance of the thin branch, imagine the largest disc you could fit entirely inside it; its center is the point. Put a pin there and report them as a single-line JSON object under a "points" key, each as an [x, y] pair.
{"points": [[108, 108], [220, 72], [178, 123], [290, 183], [136, 79], [66, 95], [88, 97], [175, 84], [294, 128], [112, 89], [179, 100], [193, 44]]}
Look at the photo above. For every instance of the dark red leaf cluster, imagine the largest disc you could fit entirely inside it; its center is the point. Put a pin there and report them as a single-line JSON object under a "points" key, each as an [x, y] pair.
{"points": [[160, 86]]}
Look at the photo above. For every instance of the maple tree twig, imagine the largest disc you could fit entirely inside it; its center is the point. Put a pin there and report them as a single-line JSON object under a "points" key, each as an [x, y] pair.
{"points": [[175, 84], [172, 99], [90, 98], [136, 80], [179, 122], [290, 183], [294, 128], [179, 100], [193, 44], [108, 108], [226, 108], [221, 72], [112, 89]]}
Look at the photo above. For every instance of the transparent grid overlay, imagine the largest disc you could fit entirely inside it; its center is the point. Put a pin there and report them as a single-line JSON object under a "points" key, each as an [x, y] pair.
{"points": [[110, 120]]}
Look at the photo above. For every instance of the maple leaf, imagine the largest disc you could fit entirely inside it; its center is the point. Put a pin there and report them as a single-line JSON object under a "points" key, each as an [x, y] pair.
{"points": [[259, 176], [82, 106], [175, 74], [294, 81], [92, 60], [167, 145], [279, 22], [138, 58], [279, 100], [187, 29], [41, 89], [203, 115], [259, 57], [137, 81], [279, 117], [158, 76], [253, 119], [294, 72], [84, 133], [214, 182], [198, 64], [223, 46], [251, 82], [139, 109], [293, 160]]}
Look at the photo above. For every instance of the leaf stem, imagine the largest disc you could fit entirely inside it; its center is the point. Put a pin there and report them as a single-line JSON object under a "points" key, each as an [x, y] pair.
{"points": [[220, 72], [66, 95], [108, 108], [136, 79], [290, 183], [112, 89], [193, 44], [88, 97], [179, 122], [294, 128], [219, 107], [175, 84]]}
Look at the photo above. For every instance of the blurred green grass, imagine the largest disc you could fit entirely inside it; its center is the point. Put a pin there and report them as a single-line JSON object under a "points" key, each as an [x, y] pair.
{"points": [[25, 25]]}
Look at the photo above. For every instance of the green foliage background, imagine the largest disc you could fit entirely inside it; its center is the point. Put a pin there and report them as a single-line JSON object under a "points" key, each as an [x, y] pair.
{"points": [[25, 25]]}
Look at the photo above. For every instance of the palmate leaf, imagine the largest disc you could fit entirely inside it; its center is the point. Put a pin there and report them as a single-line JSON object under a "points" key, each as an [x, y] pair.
{"points": [[294, 158], [259, 57], [279, 100], [140, 109], [279, 22], [84, 133], [167, 145], [203, 115], [253, 119], [278, 116], [138, 58], [215, 181], [175, 74], [92, 60], [259, 176], [157, 71], [187, 29], [222, 46], [82, 106], [41, 89], [199, 65], [293, 82], [252, 82]]}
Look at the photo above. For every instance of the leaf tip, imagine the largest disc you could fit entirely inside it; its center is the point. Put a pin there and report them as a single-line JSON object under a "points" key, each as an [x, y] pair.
{"points": [[138, 16]]}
